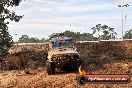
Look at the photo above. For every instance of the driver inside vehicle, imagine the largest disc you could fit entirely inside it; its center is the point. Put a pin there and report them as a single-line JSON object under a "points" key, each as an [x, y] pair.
{"points": [[63, 44]]}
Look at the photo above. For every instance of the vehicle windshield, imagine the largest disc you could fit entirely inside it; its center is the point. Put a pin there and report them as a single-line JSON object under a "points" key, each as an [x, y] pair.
{"points": [[62, 45]]}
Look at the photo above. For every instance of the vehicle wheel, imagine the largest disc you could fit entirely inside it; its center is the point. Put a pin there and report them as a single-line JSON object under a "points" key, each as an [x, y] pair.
{"points": [[50, 68], [81, 80], [76, 66]]}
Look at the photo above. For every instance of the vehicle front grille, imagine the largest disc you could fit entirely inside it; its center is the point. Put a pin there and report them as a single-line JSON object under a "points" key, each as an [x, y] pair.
{"points": [[67, 57]]}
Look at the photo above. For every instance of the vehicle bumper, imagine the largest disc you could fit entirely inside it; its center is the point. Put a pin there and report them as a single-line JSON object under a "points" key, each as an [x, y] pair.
{"points": [[76, 62]]}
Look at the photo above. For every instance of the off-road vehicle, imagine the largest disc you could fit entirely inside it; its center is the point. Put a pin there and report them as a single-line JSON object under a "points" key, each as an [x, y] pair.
{"points": [[62, 55]]}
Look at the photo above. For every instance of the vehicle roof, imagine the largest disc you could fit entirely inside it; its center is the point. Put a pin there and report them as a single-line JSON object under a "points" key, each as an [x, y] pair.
{"points": [[60, 39]]}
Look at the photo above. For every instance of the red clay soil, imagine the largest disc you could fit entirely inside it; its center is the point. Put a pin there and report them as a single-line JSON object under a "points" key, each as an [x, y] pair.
{"points": [[40, 79], [111, 57]]}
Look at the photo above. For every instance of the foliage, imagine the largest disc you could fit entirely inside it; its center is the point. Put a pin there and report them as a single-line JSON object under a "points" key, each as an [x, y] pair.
{"points": [[5, 39], [27, 39], [77, 36], [128, 34], [6, 15], [104, 32]]}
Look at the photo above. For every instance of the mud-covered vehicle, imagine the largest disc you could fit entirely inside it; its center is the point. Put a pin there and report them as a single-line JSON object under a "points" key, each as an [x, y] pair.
{"points": [[62, 55]]}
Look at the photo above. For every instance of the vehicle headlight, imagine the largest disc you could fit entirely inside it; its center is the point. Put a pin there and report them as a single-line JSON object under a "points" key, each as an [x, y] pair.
{"points": [[61, 58], [53, 58]]}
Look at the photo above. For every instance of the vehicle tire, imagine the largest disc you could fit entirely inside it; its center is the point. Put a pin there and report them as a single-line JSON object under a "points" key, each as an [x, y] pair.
{"points": [[50, 68], [81, 80], [77, 65]]}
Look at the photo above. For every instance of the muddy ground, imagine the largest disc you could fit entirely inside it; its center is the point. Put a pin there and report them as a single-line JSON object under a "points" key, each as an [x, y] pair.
{"points": [[23, 70], [39, 78]]}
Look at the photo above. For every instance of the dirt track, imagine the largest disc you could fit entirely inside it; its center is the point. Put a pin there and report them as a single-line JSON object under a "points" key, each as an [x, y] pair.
{"points": [[39, 78]]}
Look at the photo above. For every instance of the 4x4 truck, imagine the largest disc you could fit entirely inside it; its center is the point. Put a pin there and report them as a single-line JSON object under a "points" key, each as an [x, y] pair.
{"points": [[62, 54]]}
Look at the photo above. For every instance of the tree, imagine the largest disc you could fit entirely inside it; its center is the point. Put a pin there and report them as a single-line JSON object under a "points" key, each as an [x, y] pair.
{"points": [[72, 34], [5, 38], [27, 39], [86, 37], [104, 32], [77, 36], [128, 34], [34, 40], [24, 39], [42, 40]]}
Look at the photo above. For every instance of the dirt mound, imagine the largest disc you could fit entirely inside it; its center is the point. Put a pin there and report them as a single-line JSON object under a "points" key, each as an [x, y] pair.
{"points": [[128, 48], [31, 56], [96, 54], [97, 49], [37, 47]]}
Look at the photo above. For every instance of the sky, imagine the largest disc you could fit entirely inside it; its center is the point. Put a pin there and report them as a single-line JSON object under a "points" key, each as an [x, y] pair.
{"points": [[43, 17]]}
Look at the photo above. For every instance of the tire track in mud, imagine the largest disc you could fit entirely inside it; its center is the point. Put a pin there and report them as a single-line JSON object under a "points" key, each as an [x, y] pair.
{"points": [[42, 80]]}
